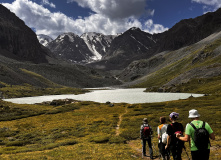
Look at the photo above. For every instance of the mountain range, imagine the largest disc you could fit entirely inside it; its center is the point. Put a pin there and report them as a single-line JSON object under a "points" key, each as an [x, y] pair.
{"points": [[106, 50], [133, 58]]}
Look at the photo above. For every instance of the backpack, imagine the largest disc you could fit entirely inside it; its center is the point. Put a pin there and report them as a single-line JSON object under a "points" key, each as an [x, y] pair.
{"points": [[178, 143], [163, 136], [146, 131], [201, 137]]}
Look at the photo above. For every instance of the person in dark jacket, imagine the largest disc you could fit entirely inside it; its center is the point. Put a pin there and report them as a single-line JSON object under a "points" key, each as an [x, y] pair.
{"points": [[175, 145], [145, 135]]}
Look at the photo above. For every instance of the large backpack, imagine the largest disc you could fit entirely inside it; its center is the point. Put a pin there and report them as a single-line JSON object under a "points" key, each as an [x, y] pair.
{"points": [[201, 137], [146, 131]]}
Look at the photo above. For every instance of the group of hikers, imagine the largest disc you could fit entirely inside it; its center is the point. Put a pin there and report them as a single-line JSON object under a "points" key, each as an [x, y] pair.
{"points": [[171, 137]]}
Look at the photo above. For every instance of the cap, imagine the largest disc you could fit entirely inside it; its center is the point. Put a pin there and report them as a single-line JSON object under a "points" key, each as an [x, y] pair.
{"points": [[145, 120], [174, 115]]}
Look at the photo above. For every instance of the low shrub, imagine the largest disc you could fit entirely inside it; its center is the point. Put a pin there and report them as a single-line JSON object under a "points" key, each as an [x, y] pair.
{"points": [[130, 134], [117, 139], [17, 143], [100, 139]]}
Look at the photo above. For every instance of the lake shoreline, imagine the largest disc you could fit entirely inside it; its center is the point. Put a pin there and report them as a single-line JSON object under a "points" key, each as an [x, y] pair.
{"points": [[113, 95]]}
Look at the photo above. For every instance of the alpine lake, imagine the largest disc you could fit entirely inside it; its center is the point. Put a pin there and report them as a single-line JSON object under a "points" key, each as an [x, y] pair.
{"points": [[130, 96]]}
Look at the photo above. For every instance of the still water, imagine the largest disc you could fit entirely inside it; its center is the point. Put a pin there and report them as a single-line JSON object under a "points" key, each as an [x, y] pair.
{"points": [[130, 96]]}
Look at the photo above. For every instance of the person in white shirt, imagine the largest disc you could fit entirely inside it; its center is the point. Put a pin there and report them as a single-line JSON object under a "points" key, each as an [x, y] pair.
{"points": [[162, 136]]}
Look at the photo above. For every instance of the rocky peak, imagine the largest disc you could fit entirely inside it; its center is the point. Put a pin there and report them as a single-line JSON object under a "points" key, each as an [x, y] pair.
{"points": [[134, 29], [70, 47]]}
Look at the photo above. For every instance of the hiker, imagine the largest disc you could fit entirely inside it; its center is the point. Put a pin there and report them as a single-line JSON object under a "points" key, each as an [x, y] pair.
{"points": [[162, 136], [174, 145], [198, 152], [145, 135]]}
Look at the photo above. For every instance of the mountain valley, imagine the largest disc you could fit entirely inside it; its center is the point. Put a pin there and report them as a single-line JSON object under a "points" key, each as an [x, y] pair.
{"points": [[189, 50], [186, 58]]}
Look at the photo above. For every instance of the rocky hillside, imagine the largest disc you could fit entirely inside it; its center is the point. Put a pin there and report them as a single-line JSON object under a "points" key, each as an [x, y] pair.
{"points": [[179, 70], [189, 31], [14, 72], [18, 41]]}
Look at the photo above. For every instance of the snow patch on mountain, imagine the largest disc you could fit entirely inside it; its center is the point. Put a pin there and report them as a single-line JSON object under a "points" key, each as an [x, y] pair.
{"points": [[97, 43], [44, 39]]}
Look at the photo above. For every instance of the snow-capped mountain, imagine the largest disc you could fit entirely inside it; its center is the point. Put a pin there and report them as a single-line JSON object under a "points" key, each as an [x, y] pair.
{"points": [[70, 47], [44, 39], [97, 43], [87, 48]]}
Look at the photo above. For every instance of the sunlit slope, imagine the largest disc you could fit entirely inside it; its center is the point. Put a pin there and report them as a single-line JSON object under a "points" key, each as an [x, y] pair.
{"points": [[196, 68], [88, 130]]}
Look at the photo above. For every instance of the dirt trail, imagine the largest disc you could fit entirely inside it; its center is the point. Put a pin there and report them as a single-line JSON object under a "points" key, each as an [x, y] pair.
{"points": [[138, 150], [119, 122]]}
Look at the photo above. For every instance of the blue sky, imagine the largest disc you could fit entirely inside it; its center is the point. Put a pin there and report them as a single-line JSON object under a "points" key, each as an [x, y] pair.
{"points": [[54, 17]]}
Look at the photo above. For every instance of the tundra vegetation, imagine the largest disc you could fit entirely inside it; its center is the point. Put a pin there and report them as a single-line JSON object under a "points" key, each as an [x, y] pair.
{"points": [[87, 130]]}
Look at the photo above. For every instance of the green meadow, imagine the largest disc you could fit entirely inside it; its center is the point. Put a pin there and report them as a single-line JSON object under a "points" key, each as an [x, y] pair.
{"points": [[88, 130]]}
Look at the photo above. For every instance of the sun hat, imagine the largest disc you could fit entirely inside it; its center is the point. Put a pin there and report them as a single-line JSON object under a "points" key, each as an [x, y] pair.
{"points": [[193, 113], [174, 115]]}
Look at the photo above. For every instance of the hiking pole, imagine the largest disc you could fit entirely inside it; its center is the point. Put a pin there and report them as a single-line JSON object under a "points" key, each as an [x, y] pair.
{"points": [[142, 148], [186, 152]]}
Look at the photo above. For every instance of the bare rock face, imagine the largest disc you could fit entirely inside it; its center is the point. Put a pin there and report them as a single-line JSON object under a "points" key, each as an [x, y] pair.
{"points": [[17, 40]]}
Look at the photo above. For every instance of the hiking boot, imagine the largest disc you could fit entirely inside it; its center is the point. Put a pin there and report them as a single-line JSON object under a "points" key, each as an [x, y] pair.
{"points": [[151, 156], [144, 155]]}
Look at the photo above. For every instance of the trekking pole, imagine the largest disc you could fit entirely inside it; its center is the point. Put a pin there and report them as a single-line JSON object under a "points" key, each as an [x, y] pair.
{"points": [[186, 152], [142, 148]]}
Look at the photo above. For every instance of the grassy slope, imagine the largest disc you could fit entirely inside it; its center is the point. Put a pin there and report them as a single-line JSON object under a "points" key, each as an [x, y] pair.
{"points": [[186, 64], [14, 91], [87, 130]]}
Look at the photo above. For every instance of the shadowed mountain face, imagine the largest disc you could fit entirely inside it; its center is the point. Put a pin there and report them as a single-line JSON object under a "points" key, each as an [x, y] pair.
{"points": [[17, 40], [189, 31]]}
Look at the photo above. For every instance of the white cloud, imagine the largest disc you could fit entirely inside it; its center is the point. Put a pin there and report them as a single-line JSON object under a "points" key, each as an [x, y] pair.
{"points": [[46, 2], [210, 5], [208, 2], [114, 9], [150, 27], [53, 24]]}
